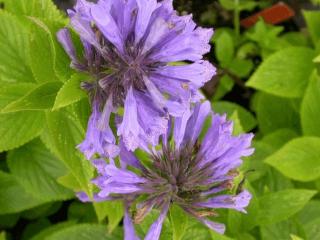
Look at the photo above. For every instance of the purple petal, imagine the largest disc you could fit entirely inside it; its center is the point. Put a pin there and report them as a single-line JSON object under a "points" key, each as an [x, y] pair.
{"points": [[64, 38], [129, 231], [180, 128], [155, 229], [128, 157]]}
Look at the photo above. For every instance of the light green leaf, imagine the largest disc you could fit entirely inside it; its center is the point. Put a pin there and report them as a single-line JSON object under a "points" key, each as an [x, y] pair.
{"points": [[71, 91], [113, 210], [224, 48], [310, 111], [63, 133], [52, 229], [14, 61], [313, 22], [179, 222], [299, 159], [40, 98], [285, 73], [42, 62], [247, 120], [275, 112], [13, 197], [18, 128], [82, 232], [3, 236], [36, 169], [37, 8], [278, 206], [312, 229], [225, 85], [240, 67]]}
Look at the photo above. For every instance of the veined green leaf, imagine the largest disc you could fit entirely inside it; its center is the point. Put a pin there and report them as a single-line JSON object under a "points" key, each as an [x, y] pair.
{"points": [[40, 98], [299, 159], [36, 169], [14, 54], [285, 73]]}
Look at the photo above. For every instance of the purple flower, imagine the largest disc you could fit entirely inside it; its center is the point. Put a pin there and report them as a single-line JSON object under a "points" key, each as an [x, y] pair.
{"points": [[195, 174], [141, 56]]}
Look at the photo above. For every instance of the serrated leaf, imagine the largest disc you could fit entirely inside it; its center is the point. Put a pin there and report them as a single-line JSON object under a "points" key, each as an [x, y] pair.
{"points": [[63, 133], [42, 52], [14, 60], [285, 73], [13, 197], [40, 98], [278, 206], [36, 169], [274, 113], [83, 232], [70, 92], [310, 111], [37, 8], [299, 159], [313, 21], [246, 118], [19, 128]]}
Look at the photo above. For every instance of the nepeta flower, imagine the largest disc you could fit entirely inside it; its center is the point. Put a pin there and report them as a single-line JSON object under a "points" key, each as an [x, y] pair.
{"points": [[197, 176], [143, 57]]}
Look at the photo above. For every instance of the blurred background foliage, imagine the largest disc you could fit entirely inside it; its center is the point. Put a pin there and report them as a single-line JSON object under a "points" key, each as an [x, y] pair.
{"points": [[268, 82]]}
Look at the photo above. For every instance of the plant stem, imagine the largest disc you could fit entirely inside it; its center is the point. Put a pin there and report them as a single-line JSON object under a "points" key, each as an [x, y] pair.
{"points": [[236, 19]]}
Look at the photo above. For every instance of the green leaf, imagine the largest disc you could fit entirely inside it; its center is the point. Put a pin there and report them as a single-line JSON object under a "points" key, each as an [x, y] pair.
{"points": [[275, 112], [14, 61], [278, 206], [3, 236], [313, 22], [240, 67], [247, 120], [70, 92], [63, 133], [42, 62], [113, 210], [285, 73], [37, 8], [40, 98], [82, 232], [299, 159], [36, 169], [19, 128], [52, 229], [224, 48], [179, 222], [310, 111], [225, 85], [13, 197], [312, 229]]}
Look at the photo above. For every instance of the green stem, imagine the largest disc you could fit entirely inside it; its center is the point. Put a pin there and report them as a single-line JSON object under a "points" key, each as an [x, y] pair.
{"points": [[236, 19]]}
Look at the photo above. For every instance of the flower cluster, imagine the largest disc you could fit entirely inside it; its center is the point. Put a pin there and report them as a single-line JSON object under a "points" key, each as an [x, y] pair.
{"points": [[146, 66], [142, 57], [192, 174]]}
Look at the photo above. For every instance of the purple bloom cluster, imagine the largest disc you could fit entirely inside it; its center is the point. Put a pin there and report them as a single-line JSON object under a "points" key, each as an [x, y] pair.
{"points": [[196, 175], [146, 66], [143, 58]]}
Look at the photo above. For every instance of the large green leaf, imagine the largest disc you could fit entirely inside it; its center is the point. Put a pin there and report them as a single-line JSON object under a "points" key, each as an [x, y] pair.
{"points": [[299, 159], [313, 22], [179, 222], [83, 232], [36, 169], [37, 8], [275, 112], [224, 48], [42, 61], [14, 61], [13, 197], [63, 133], [113, 210], [70, 92], [285, 73], [247, 120], [40, 98], [278, 206], [310, 111], [21, 127]]}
